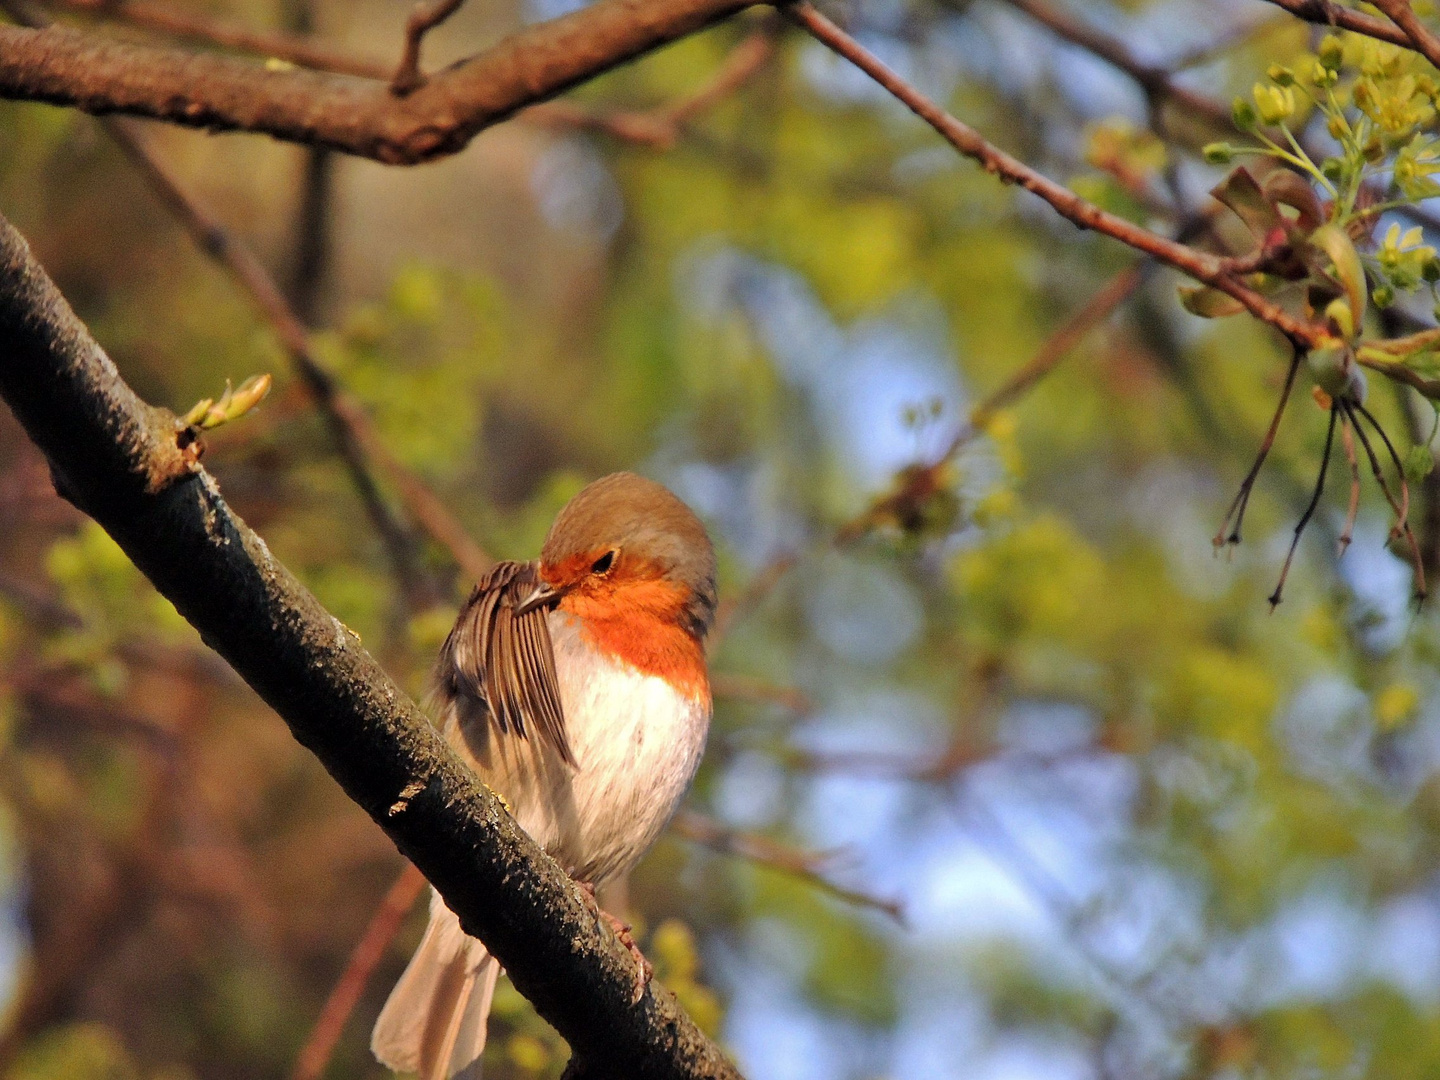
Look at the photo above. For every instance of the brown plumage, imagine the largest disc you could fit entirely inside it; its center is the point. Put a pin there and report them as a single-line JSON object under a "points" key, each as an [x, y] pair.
{"points": [[576, 687]]}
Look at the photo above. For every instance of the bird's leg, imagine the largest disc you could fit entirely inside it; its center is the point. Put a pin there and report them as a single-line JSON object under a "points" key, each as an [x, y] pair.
{"points": [[622, 931]]}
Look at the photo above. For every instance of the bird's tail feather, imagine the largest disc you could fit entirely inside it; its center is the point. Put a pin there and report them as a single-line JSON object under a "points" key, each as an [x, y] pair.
{"points": [[435, 1019]]}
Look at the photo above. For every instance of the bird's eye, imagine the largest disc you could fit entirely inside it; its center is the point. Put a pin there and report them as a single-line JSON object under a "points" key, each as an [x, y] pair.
{"points": [[603, 563]]}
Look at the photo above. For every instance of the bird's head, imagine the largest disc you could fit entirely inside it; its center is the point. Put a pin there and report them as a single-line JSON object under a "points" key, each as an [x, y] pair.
{"points": [[626, 548]]}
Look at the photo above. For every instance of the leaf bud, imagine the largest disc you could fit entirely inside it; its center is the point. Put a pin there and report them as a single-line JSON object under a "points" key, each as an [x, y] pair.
{"points": [[1280, 75], [1331, 52], [1242, 115]]}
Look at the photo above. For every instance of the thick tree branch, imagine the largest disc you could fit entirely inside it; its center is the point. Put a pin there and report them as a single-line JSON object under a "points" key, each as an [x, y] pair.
{"points": [[117, 458], [101, 75]]}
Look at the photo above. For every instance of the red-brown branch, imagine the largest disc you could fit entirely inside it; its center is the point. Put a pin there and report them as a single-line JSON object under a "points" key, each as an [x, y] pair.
{"points": [[369, 951], [101, 75], [173, 22], [422, 20], [1327, 13], [1420, 37], [1200, 265]]}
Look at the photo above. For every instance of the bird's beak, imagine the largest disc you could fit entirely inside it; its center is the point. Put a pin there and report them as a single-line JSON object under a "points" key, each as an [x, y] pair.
{"points": [[543, 595]]}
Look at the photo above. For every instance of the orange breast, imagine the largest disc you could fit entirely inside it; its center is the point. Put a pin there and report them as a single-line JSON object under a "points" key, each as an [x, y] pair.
{"points": [[642, 631]]}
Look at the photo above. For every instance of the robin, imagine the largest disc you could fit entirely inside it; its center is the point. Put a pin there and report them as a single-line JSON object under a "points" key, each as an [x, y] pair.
{"points": [[575, 686]]}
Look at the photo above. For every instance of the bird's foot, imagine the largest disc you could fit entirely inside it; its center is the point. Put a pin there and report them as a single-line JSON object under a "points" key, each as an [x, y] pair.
{"points": [[622, 931], [646, 972]]}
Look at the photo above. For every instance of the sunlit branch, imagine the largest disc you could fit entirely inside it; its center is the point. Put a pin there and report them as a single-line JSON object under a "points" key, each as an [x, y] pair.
{"points": [[1327, 13], [423, 19], [302, 51], [1421, 37], [761, 850], [358, 116], [1204, 267], [120, 460], [314, 1056]]}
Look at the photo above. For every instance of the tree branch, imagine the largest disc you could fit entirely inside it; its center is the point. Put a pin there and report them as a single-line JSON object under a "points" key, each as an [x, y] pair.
{"points": [[1327, 13], [117, 458], [1419, 36], [99, 75], [1204, 267], [292, 48]]}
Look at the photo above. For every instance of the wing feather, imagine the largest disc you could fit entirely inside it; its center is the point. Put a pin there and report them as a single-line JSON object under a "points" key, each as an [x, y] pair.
{"points": [[501, 666]]}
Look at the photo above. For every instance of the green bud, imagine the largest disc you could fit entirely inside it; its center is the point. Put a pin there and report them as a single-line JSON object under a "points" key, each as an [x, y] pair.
{"points": [[1430, 269], [1331, 52], [1382, 295], [1280, 74], [1242, 115], [1218, 153], [1333, 168]]}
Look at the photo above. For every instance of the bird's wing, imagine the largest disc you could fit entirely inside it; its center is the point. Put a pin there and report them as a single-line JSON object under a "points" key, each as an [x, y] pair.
{"points": [[504, 662]]}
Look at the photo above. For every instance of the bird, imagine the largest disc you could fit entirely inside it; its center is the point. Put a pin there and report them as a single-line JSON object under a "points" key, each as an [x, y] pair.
{"points": [[576, 687]]}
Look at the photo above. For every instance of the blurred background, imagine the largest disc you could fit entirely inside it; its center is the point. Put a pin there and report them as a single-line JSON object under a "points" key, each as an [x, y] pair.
{"points": [[1011, 778]]}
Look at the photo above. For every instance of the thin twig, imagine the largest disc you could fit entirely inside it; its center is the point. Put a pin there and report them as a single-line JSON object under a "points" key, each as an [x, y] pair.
{"points": [[1309, 510], [349, 426], [303, 51], [368, 952], [1352, 511], [1157, 83], [422, 20], [1202, 266], [1402, 525], [1236, 513], [662, 127], [761, 850]]}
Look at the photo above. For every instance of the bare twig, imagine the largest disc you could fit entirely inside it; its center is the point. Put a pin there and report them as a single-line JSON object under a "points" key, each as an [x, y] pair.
{"points": [[805, 865], [1157, 83], [661, 127], [349, 426], [1275, 596], [302, 51], [369, 951], [423, 19], [1210, 269], [1352, 509], [1399, 506], [1229, 531]]}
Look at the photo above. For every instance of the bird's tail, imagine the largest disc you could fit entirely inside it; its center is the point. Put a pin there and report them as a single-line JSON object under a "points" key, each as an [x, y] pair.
{"points": [[434, 1021]]}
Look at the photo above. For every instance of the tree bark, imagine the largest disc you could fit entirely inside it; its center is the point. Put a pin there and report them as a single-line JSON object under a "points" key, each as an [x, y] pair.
{"points": [[358, 116], [124, 462]]}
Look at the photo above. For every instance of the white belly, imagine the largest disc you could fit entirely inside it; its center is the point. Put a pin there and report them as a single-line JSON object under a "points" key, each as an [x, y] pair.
{"points": [[637, 742]]}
